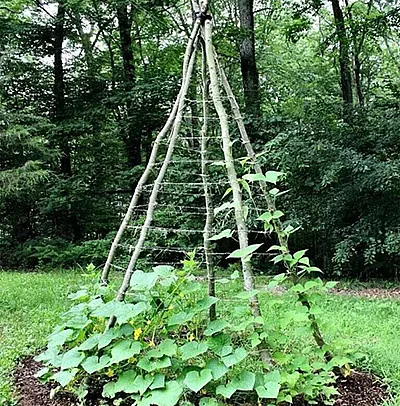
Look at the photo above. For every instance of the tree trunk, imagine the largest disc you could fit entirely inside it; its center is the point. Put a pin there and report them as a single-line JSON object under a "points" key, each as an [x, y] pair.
{"points": [[131, 131], [248, 66], [344, 59], [69, 220]]}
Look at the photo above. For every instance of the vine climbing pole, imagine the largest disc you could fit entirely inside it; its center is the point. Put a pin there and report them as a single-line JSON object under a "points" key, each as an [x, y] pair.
{"points": [[214, 82]]}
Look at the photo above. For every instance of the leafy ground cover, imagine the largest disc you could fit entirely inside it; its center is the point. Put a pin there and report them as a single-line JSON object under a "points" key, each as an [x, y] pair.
{"points": [[30, 304]]}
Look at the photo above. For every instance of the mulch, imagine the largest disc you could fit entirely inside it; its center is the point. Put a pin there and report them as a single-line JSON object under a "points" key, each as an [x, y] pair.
{"points": [[358, 389]]}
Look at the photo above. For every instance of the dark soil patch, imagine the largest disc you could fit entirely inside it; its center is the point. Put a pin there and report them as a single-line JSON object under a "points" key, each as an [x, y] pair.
{"points": [[358, 389]]}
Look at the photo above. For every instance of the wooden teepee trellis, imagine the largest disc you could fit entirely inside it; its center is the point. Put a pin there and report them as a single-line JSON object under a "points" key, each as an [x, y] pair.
{"points": [[213, 78]]}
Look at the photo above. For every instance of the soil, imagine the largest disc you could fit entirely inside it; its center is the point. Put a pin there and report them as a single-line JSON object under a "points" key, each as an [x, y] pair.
{"points": [[358, 389]]}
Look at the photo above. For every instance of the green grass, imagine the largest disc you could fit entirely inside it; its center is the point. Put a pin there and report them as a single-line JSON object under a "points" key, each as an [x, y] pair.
{"points": [[29, 306], [31, 302]]}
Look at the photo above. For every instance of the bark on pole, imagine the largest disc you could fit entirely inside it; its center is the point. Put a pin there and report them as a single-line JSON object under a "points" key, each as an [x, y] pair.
{"points": [[157, 183], [229, 164], [151, 162], [242, 229], [207, 191]]}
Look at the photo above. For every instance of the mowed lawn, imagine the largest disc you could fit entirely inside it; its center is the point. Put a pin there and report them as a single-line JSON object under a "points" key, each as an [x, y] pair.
{"points": [[31, 302]]}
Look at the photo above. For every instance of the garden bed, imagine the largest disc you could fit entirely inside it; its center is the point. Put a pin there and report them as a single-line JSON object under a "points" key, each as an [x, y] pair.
{"points": [[359, 389]]}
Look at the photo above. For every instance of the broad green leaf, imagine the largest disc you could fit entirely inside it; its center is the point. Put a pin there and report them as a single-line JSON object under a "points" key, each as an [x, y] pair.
{"points": [[245, 381], [277, 214], [90, 343], [95, 364], [272, 176], [269, 391], [244, 252], [65, 377], [238, 355], [195, 380], [226, 390], [217, 368], [168, 347], [107, 337], [72, 359], [159, 381], [204, 304], [168, 396], [109, 390], [220, 344], [151, 365], [60, 338], [180, 318], [129, 382], [299, 254], [193, 349], [215, 326], [227, 233], [253, 177], [267, 216], [143, 281], [79, 295], [124, 350]]}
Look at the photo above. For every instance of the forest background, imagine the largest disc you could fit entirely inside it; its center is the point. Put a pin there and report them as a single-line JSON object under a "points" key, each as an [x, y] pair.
{"points": [[86, 84]]}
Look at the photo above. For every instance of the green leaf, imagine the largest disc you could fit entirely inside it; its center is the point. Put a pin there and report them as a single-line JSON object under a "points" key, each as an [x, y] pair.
{"points": [[90, 343], [299, 254], [129, 382], [72, 359], [79, 295], [109, 390], [195, 380], [269, 391], [193, 349], [244, 252], [124, 350], [151, 365], [204, 304], [245, 381], [272, 176], [220, 344], [107, 337], [253, 177], [168, 396], [239, 355], [226, 390], [168, 347], [143, 281], [215, 326], [277, 214], [227, 233], [94, 363], [217, 368], [60, 338], [65, 377], [267, 216], [180, 318], [159, 381], [224, 206]]}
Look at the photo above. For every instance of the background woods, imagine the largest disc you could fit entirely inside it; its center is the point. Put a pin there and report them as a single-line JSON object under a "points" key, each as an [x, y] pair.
{"points": [[86, 85]]}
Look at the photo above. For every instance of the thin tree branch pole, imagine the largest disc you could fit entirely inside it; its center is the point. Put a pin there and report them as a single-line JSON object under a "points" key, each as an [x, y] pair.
{"points": [[229, 163], [207, 192], [232, 177], [263, 186], [151, 162], [157, 183]]}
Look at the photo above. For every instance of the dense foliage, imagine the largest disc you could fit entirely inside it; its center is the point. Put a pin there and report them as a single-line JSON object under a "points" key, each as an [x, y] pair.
{"points": [[86, 85]]}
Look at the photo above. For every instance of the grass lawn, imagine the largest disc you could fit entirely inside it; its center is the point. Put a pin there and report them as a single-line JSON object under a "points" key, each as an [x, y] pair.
{"points": [[31, 302]]}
